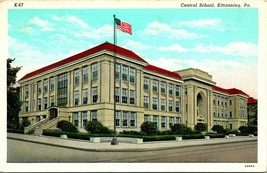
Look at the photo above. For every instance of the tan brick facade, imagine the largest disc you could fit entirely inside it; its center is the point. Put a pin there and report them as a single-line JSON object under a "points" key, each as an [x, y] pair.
{"points": [[83, 89]]}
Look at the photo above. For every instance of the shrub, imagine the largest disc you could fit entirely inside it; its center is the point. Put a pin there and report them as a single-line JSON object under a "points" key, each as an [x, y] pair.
{"points": [[181, 129], [97, 127], [20, 131], [200, 127], [165, 132], [24, 123], [247, 130], [192, 136], [132, 132], [218, 129], [66, 126], [159, 138], [149, 128]]}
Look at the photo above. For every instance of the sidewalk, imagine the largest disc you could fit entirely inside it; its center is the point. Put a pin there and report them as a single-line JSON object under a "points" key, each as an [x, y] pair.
{"points": [[104, 147]]}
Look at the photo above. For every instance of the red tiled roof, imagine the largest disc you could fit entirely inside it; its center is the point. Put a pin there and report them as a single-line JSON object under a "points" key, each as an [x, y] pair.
{"points": [[162, 71], [229, 91], [252, 100], [104, 46]]}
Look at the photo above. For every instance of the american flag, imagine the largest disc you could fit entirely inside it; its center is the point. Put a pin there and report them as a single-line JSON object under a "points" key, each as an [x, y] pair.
{"points": [[125, 27]]}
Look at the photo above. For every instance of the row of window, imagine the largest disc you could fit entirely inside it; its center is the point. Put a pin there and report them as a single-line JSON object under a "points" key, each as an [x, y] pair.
{"points": [[123, 97], [163, 88], [221, 101], [126, 119], [163, 105], [222, 113], [85, 96], [162, 121], [125, 73], [62, 80], [225, 124], [80, 118]]}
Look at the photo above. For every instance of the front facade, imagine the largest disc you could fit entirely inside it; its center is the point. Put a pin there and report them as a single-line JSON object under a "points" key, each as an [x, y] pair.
{"points": [[81, 88]]}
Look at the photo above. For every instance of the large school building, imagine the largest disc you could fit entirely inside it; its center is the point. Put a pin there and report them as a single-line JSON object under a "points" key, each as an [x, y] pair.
{"points": [[80, 88]]}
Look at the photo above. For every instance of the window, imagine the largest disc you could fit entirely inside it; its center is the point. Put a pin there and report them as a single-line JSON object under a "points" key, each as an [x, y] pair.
{"points": [[85, 96], [52, 84], [75, 119], [118, 71], [45, 103], [95, 71], [39, 86], [77, 74], [124, 95], [178, 91], [118, 118], [147, 118], [132, 75], [94, 115], [171, 121], [163, 122], [52, 101], [84, 118], [170, 89], [125, 119], [39, 104], [146, 102], [163, 104], [214, 101], [218, 112], [155, 103], [178, 106], [132, 96], [85, 74], [133, 119], [226, 102], [62, 89], [178, 120], [45, 85], [163, 87], [156, 120], [146, 83], [26, 106], [125, 73], [117, 94], [170, 105], [155, 86], [214, 113], [76, 97], [27, 91], [95, 94]]}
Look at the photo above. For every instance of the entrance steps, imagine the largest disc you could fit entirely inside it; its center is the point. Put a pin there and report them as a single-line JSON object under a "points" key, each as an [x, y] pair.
{"points": [[37, 128]]}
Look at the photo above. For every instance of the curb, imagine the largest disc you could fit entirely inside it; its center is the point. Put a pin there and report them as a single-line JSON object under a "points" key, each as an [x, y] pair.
{"points": [[128, 150]]}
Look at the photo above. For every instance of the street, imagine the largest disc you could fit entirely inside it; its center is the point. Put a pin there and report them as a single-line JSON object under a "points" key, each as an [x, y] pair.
{"points": [[28, 152]]}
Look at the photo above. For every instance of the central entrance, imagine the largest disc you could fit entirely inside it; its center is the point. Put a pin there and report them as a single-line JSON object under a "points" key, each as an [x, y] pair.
{"points": [[201, 108]]}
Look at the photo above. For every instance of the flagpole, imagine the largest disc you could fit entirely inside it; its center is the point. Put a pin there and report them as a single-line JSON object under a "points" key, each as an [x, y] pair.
{"points": [[114, 140]]}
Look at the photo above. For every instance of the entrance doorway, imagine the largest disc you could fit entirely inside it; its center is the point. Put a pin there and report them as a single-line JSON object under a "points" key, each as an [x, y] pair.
{"points": [[52, 113]]}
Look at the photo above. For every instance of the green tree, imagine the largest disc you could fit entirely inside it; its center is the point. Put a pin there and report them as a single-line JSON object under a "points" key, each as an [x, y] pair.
{"points": [[13, 94]]}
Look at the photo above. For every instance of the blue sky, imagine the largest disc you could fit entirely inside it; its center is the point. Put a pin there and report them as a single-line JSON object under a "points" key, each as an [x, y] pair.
{"points": [[222, 42]]}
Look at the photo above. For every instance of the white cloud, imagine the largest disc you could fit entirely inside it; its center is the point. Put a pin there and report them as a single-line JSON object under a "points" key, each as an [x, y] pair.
{"points": [[202, 23], [98, 33], [75, 21], [43, 24], [242, 49], [156, 28], [226, 73], [31, 58], [175, 48]]}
